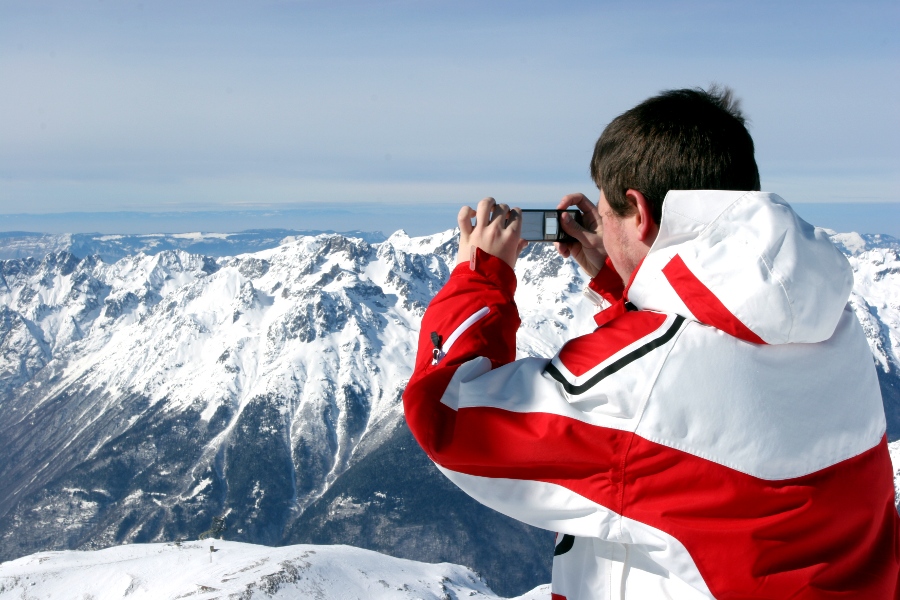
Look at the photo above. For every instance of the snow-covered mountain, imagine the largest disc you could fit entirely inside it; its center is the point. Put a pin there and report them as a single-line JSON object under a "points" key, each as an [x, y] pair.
{"points": [[142, 398], [219, 569], [876, 300]]}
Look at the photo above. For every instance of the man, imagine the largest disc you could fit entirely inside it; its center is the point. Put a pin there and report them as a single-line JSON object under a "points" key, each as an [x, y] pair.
{"points": [[721, 433]]}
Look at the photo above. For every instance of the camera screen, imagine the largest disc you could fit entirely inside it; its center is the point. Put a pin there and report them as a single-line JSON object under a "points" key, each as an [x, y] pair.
{"points": [[533, 225], [551, 225], [543, 225]]}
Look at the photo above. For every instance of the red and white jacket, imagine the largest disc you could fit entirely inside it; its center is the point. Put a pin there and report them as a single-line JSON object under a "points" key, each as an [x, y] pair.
{"points": [[721, 435]]}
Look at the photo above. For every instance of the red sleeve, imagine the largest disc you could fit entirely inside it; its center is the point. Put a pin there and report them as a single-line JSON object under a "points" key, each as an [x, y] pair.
{"points": [[608, 283], [487, 290]]}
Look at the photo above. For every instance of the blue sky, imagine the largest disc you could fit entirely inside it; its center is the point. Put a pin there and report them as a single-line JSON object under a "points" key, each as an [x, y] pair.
{"points": [[210, 106]]}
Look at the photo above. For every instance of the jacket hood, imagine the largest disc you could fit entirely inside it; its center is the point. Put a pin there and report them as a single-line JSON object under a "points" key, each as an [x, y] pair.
{"points": [[745, 263]]}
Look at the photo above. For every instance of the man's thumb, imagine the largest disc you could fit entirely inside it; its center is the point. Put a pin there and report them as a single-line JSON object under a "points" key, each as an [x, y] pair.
{"points": [[572, 227]]}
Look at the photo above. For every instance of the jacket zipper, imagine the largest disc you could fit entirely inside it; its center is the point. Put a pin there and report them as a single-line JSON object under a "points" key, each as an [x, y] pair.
{"points": [[442, 348]]}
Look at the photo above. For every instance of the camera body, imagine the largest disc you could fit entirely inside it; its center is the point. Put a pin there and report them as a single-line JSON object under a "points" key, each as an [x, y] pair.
{"points": [[542, 225]]}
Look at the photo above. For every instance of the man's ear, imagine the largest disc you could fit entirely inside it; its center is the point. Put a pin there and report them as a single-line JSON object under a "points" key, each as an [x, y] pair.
{"points": [[647, 229]]}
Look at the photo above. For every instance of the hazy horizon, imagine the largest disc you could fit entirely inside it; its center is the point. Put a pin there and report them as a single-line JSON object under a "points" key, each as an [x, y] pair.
{"points": [[416, 220]]}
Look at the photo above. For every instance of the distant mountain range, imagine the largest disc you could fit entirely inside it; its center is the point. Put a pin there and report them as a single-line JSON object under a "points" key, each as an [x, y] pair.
{"points": [[146, 390], [110, 248]]}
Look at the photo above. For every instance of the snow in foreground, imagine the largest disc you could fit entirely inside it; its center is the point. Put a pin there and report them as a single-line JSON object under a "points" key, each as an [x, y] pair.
{"points": [[237, 571], [894, 448]]}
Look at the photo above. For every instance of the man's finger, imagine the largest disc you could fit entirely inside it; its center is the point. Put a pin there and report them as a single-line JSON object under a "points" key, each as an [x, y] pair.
{"points": [[483, 212], [578, 200], [464, 220], [590, 216], [568, 201], [571, 226], [563, 249], [501, 212], [514, 219]]}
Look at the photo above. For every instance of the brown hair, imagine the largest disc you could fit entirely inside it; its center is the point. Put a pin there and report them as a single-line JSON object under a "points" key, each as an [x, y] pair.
{"points": [[689, 139]]}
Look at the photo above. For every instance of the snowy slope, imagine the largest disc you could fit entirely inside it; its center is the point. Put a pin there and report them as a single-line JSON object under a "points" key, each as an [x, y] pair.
{"points": [[237, 571], [876, 292], [876, 300]]}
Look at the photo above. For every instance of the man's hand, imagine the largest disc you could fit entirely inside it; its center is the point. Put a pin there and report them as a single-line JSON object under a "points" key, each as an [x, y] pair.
{"points": [[587, 250], [500, 235]]}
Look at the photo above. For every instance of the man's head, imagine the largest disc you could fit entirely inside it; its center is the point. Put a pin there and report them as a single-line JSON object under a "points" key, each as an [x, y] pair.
{"points": [[686, 139], [679, 140]]}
